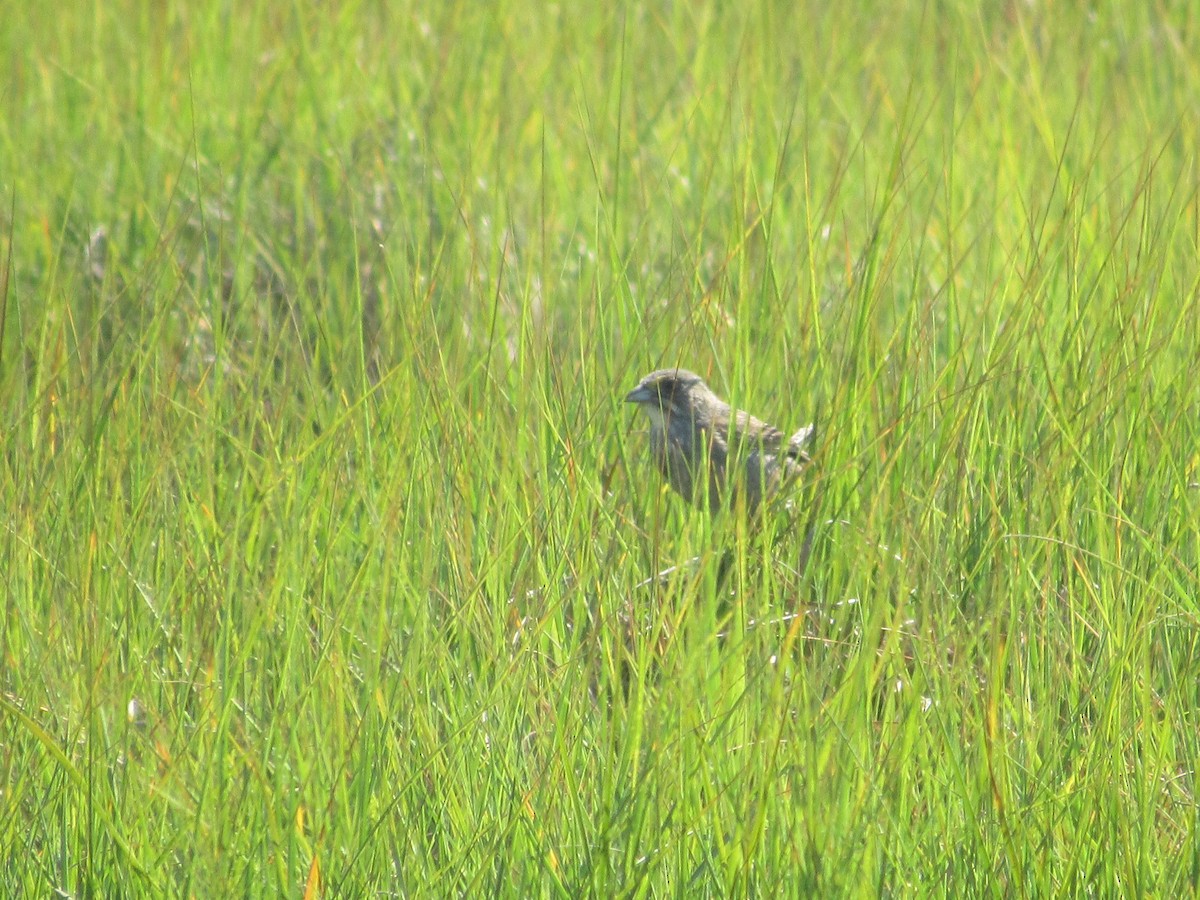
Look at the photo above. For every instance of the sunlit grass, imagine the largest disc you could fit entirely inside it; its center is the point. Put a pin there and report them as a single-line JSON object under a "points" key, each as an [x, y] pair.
{"points": [[329, 551]]}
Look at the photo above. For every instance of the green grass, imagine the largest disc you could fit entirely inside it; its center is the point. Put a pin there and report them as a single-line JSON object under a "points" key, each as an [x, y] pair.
{"points": [[324, 530]]}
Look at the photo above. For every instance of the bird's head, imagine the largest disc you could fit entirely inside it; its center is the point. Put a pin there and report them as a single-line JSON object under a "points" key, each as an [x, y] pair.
{"points": [[671, 393]]}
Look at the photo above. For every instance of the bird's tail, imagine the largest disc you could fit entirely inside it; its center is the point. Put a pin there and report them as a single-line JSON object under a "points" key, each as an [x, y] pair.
{"points": [[798, 443]]}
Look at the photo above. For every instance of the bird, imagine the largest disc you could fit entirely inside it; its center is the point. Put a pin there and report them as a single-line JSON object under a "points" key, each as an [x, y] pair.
{"points": [[697, 440]]}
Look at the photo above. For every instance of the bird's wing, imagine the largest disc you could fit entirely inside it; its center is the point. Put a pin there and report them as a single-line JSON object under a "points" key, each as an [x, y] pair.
{"points": [[754, 432]]}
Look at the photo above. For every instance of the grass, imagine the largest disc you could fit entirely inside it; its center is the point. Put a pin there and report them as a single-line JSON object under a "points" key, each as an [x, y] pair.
{"points": [[325, 534]]}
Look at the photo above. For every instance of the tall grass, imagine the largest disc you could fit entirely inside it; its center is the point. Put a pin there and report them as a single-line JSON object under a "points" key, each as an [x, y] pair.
{"points": [[328, 549]]}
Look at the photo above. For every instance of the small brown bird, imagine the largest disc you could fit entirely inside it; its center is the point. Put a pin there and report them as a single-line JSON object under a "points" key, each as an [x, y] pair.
{"points": [[695, 437]]}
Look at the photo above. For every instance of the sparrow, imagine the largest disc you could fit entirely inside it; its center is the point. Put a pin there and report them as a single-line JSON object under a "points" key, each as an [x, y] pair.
{"points": [[710, 454]]}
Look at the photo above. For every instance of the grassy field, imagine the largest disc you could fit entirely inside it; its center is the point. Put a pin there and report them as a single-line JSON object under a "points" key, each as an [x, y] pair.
{"points": [[327, 544]]}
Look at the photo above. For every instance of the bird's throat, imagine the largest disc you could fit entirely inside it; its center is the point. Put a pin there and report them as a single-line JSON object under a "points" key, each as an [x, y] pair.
{"points": [[657, 419]]}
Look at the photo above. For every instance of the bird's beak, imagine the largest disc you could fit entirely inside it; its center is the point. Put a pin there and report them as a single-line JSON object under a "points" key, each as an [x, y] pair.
{"points": [[640, 394]]}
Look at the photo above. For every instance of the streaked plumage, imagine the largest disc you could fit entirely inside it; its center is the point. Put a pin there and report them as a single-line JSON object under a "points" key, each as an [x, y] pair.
{"points": [[694, 435]]}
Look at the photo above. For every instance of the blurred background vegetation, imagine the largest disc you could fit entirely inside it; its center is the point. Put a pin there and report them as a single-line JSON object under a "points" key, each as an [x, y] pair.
{"points": [[325, 537]]}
